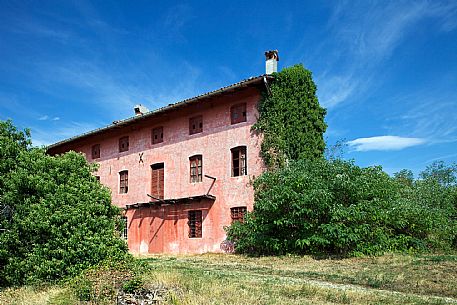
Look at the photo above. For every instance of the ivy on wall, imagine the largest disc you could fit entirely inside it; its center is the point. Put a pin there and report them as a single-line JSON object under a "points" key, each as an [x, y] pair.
{"points": [[291, 119]]}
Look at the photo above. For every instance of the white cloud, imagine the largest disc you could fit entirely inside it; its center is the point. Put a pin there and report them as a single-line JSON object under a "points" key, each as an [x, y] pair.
{"points": [[384, 143], [56, 118], [43, 118]]}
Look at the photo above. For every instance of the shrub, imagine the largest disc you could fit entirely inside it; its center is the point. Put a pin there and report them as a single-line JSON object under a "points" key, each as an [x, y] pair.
{"points": [[336, 207], [61, 220]]}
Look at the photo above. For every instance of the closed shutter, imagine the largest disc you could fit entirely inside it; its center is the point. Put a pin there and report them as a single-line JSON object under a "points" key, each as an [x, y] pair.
{"points": [[157, 180]]}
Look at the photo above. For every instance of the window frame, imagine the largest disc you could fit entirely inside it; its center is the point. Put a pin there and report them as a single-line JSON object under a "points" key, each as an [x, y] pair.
{"points": [[123, 182], [238, 213], [196, 168], [123, 140], [159, 132], [196, 120], [240, 111], [95, 151], [195, 223], [239, 154]]}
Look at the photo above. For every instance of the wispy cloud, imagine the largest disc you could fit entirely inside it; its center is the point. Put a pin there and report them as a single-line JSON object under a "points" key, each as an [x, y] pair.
{"points": [[43, 118], [384, 143], [366, 34]]}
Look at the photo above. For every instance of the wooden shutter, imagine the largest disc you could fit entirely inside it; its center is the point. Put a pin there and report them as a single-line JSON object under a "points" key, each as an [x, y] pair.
{"points": [[238, 113], [123, 144], [157, 135], [196, 125], [157, 180], [96, 151]]}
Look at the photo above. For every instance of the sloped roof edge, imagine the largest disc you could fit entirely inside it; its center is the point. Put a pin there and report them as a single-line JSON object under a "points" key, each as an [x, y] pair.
{"points": [[243, 83]]}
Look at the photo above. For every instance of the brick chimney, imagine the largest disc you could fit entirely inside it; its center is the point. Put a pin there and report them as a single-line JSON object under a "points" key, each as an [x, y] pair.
{"points": [[271, 63], [140, 110]]}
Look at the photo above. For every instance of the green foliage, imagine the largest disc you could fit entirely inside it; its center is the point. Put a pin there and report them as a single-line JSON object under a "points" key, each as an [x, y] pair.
{"points": [[61, 220], [335, 207], [291, 119], [100, 284], [132, 285]]}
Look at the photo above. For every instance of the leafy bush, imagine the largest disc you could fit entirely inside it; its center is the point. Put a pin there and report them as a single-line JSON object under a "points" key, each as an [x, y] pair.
{"points": [[100, 284], [60, 218], [336, 207]]}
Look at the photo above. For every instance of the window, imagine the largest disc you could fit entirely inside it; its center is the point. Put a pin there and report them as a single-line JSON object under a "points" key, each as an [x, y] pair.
{"points": [[196, 124], [238, 113], [123, 182], [239, 163], [195, 168], [238, 214], [157, 135], [96, 151], [195, 224], [123, 144], [125, 228], [157, 180]]}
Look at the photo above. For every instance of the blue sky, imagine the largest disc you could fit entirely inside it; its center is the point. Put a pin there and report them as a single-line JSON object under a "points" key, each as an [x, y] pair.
{"points": [[386, 71]]}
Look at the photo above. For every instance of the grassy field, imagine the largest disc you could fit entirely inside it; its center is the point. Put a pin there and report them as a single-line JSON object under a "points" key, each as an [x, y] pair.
{"points": [[234, 279]]}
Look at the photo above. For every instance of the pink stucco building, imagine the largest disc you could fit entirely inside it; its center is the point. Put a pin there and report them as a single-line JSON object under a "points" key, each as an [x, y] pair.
{"points": [[181, 172]]}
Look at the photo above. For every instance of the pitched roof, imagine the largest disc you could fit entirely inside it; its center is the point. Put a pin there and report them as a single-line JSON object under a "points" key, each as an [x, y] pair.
{"points": [[116, 124]]}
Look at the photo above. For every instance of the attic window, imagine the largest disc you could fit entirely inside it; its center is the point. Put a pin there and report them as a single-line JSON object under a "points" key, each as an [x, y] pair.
{"points": [[196, 125], [238, 113], [123, 144], [123, 182], [195, 168], [238, 213], [239, 163], [157, 135], [96, 151], [195, 224]]}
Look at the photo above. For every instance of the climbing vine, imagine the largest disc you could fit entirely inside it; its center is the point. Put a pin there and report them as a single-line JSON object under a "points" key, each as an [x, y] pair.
{"points": [[291, 119]]}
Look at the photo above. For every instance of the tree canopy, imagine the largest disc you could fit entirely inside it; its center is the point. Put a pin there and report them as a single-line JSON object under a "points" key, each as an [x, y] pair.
{"points": [[57, 218]]}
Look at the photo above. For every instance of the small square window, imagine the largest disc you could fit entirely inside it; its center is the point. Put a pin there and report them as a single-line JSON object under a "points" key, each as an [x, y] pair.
{"points": [[195, 224], [238, 113], [96, 151], [123, 182], [157, 135], [123, 144], [196, 125], [238, 214]]}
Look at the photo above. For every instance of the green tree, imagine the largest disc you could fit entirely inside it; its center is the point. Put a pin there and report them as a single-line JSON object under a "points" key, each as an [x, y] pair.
{"points": [[441, 172], [335, 207], [291, 119], [61, 220]]}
